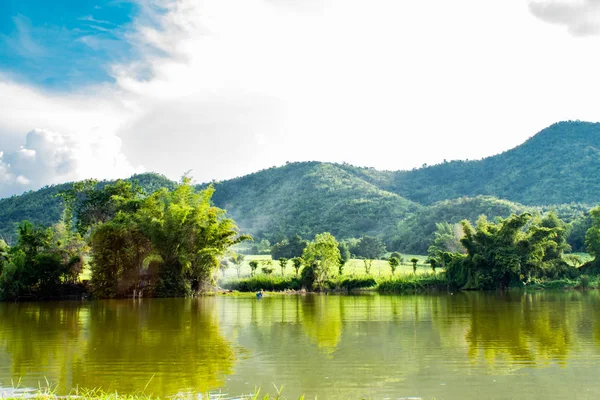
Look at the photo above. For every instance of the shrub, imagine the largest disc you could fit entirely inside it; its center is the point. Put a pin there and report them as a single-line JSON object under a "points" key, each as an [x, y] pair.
{"points": [[263, 282]]}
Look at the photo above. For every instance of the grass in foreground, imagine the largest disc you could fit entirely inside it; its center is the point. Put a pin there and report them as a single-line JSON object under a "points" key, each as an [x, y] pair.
{"points": [[97, 394]]}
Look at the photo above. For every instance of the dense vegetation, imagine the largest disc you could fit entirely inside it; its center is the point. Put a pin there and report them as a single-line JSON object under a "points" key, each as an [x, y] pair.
{"points": [[309, 198], [168, 243], [45, 207], [556, 166]]}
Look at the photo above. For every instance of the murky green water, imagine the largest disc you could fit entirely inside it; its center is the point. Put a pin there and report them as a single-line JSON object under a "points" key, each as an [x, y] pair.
{"points": [[462, 346]]}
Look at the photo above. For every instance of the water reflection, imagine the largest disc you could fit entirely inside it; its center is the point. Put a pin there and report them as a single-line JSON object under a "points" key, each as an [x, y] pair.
{"points": [[164, 345], [368, 346]]}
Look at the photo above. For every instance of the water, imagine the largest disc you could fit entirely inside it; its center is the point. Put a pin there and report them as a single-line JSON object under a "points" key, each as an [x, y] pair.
{"points": [[461, 346]]}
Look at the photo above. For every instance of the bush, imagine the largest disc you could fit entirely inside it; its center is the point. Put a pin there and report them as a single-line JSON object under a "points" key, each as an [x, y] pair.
{"points": [[357, 283], [264, 282], [412, 283], [584, 282]]}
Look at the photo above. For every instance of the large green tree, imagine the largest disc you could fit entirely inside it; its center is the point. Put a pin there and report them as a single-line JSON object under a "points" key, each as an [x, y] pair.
{"points": [[322, 255], [498, 253]]}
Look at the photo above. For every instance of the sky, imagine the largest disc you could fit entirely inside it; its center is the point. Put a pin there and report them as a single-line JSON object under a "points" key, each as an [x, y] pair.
{"points": [[222, 88]]}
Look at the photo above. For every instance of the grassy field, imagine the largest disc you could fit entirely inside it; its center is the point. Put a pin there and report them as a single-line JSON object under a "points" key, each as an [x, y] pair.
{"points": [[353, 268]]}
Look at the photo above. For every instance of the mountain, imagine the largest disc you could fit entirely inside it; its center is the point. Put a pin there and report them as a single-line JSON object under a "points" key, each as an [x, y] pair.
{"points": [[309, 198], [558, 165], [554, 169], [414, 232]]}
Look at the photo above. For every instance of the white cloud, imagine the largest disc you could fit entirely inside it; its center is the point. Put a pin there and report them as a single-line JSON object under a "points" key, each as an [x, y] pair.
{"points": [[581, 17], [49, 157]]}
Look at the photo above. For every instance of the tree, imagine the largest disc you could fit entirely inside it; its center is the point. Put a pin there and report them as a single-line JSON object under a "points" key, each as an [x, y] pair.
{"points": [[322, 254], [238, 261], [394, 262], [297, 262], [344, 256], [253, 266], [283, 263], [188, 235], [263, 247], [223, 265], [498, 253], [446, 238], [562, 231], [267, 270], [369, 247], [294, 247], [414, 262], [367, 264], [433, 263], [119, 249], [592, 236]]}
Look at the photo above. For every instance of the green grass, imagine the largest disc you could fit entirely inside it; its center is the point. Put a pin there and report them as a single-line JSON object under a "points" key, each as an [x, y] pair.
{"points": [[271, 283], [412, 283], [97, 394], [353, 268]]}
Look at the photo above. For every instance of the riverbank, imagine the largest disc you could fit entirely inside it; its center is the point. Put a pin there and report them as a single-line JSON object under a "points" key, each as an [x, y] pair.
{"points": [[421, 283], [399, 284]]}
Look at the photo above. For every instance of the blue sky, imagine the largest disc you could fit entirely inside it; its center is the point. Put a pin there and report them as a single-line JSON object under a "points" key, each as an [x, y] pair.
{"points": [[104, 89], [61, 44]]}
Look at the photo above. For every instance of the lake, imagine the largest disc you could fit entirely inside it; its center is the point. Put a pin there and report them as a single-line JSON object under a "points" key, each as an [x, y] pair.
{"points": [[461, 346]]}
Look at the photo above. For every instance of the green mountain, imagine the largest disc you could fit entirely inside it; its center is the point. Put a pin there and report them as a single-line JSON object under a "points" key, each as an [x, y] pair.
{"points": [[558, 165], [309, 198], [414, 232], [555, 167]]}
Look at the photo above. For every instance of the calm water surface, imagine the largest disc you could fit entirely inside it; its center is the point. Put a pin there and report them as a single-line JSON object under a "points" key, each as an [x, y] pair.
{"points": [[462, 346]]}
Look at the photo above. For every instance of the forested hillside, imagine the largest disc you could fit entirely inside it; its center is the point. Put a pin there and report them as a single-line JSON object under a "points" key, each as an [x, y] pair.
{"points": [[309, 198], [558, 165], [554, 169]]}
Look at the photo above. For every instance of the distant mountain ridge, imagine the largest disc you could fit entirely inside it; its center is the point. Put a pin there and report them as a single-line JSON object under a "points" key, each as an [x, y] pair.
{"points": [[556, 166]]}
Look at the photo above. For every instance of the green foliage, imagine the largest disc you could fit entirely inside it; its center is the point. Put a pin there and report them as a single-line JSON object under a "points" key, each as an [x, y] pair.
{"points": [[263, 282], [42, 261], [297, 263], [369, 247], [446, 238], [577, 231], [353, 283], [294, 247], [322, 255], [238, 262], [267, 270], [253, 266], [584, 282], [282, 265], [414, 262], [512, 249], [187, 234], [414, 234], [413, 283], [344, 256], [118, 249], [167, 242], [46, 206], [556, 166], [592, 236], [309, 198], [394, 263]]}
